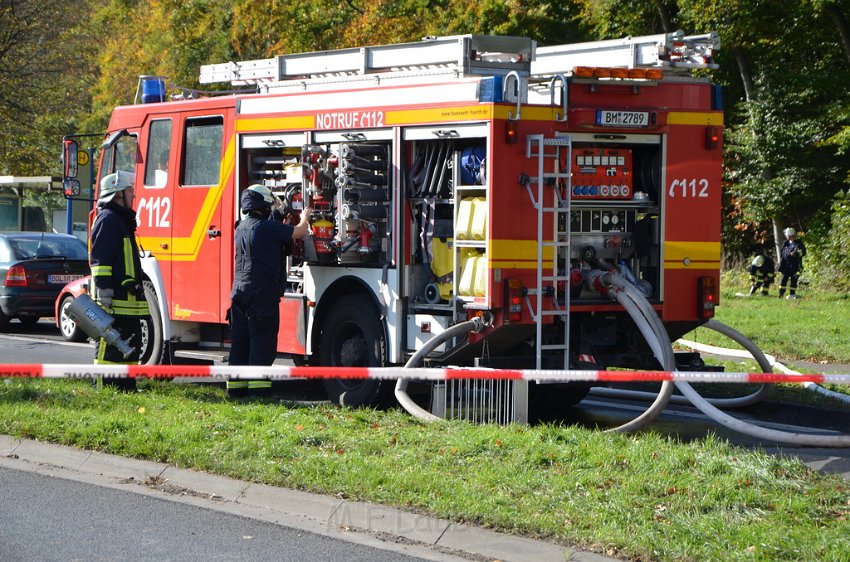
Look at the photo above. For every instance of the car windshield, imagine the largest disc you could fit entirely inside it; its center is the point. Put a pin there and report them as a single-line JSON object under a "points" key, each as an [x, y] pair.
{"points": [[47, 248]]}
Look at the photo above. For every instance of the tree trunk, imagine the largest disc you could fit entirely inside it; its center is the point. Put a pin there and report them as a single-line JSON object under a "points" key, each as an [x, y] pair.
{"points": [[842, 25], [744, 71], [767, 171], [662, 14]]}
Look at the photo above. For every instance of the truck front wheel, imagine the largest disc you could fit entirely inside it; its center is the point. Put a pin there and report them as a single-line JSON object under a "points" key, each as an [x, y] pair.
{"points": [[352, 337], [153, 344]]}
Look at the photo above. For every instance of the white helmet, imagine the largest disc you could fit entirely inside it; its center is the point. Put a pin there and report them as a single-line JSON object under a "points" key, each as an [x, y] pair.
{"points": [[758, 261], [789, 232], [114, 183]]}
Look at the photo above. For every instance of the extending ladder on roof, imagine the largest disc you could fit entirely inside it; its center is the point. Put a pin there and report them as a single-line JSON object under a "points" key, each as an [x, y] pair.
{"points": [[673, 51], [460, 55], [554, 247]]}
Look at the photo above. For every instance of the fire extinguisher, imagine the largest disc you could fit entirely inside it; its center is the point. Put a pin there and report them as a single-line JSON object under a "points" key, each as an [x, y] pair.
{"points": [[323, 235]]}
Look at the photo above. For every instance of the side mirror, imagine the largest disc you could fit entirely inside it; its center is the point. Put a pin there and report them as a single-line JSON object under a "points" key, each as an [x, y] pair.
{"points": [[69, 159], [70, 187]]}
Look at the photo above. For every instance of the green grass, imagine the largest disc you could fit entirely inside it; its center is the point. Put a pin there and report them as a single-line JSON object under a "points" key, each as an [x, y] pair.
{"points": [[814, 328], [639, 497]]}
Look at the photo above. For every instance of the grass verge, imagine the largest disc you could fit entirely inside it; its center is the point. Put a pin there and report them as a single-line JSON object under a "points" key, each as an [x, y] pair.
{"points": [[814, 328], [640, 497]]}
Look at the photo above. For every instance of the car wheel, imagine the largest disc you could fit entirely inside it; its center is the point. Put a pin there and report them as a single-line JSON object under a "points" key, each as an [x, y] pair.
{"points": [[70, 330], [4, 320], [352, 337]]}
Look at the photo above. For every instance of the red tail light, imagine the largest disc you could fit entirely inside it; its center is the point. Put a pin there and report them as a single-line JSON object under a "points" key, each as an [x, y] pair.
{"points": [[16, 277], [510, 132], [712, 137], [706, 297], [513, 300]]}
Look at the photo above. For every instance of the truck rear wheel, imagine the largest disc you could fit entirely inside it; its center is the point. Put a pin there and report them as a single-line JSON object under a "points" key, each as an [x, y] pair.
{"points": [[352, 337]]}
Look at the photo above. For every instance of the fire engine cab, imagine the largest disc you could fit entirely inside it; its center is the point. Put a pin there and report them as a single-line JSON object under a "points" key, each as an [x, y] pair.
{"points": [[453, 178]]}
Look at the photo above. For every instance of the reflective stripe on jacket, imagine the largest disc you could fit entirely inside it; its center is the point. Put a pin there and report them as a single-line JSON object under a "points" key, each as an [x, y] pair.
{"points": [[114, 259]]}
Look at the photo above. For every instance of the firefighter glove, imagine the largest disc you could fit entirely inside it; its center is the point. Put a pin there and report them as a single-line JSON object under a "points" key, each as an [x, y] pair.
{"points": [[134, 288]]}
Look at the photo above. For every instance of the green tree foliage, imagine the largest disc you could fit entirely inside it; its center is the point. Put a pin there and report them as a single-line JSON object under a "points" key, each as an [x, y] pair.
{"points": [[784, 66], [41, 72], [829, 260]]}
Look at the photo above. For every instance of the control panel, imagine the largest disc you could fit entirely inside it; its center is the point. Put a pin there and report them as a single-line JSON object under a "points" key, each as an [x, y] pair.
{"points": [[602, 173]]}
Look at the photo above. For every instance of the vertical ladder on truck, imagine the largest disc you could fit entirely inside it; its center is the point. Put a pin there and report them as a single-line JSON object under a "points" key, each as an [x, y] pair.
{"points": [[551, 203]]}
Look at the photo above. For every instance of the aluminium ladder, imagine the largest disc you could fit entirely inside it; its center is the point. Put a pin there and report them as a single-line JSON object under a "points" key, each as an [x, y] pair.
{"points": [[458, 55], [551, 203], [671, 51]]}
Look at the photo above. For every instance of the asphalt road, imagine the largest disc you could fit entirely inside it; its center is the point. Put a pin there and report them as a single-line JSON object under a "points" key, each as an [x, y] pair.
{"points": [[48, 518]]}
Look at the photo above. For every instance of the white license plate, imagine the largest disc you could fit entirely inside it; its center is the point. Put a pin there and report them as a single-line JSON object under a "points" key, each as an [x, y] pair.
{"points": [[606, 118], [62, 279]]}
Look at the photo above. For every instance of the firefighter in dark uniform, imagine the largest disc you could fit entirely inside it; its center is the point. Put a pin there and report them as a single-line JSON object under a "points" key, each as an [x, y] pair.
{"points": [[762, 273], [116, 270], [790, 262], [255, 297]]}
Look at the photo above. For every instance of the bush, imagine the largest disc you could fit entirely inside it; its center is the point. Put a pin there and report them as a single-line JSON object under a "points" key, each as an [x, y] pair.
{"points": [[826, 241]]}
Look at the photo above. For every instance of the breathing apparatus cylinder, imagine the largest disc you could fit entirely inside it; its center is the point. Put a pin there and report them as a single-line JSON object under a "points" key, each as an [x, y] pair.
{"points": [[97, 323]]}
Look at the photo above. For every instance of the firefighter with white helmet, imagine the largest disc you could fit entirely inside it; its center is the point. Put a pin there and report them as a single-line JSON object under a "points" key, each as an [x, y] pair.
{"points": [[255, 297], [116, 269], [790, 262], [762, 272]]}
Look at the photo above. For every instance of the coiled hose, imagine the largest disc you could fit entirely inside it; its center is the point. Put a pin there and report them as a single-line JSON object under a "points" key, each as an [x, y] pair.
{"points": [[473, 325], [610, 279]]}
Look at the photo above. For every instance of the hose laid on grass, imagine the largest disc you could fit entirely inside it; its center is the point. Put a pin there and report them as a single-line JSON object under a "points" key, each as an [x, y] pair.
{"points": [[752, 350], [610, 279], [814, 387]]}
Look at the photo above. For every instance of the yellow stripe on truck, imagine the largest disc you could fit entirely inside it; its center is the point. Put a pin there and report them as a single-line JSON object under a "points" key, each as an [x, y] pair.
{"points": [[694, 118], [691, 255], [186, 248], [518, 254]]}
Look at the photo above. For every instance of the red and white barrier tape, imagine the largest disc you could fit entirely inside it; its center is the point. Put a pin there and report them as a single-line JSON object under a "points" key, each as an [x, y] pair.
{"points": [[59, 371]]}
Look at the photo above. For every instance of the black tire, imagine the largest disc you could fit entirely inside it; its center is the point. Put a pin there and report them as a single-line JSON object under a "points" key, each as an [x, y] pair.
{"points": [[153, 342], [4, 320], [67, 327], [353, 336]]}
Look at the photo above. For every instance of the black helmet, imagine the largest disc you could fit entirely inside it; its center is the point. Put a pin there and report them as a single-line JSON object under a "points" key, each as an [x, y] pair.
{"points": [[253, 200]]}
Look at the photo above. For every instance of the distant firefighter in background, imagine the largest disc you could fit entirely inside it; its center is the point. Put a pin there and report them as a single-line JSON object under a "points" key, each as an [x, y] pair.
{"points": [[762, 272], [790, 262]]}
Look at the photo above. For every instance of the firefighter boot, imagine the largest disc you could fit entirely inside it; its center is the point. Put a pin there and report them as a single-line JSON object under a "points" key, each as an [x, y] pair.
{"points": [[236, 389]]}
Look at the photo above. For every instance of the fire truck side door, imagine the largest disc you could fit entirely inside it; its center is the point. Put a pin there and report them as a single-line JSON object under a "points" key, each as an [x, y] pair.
{"points": [[195, 217]]}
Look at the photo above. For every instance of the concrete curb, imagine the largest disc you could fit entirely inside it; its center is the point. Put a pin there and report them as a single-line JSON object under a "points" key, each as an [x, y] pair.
{"points": [[298, 509]]}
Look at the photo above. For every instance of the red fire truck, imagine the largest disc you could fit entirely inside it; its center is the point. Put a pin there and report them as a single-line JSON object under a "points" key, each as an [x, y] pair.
{"points": [[452, 178]]}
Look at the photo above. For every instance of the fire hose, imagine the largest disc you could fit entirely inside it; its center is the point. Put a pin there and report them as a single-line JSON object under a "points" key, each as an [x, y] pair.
{"points": [[610, 280], [653, 330], [771, 360], [473, 325]]}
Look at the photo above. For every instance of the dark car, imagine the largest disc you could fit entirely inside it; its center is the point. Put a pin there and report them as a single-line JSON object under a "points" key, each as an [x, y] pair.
{"points": [[34, 266]]}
